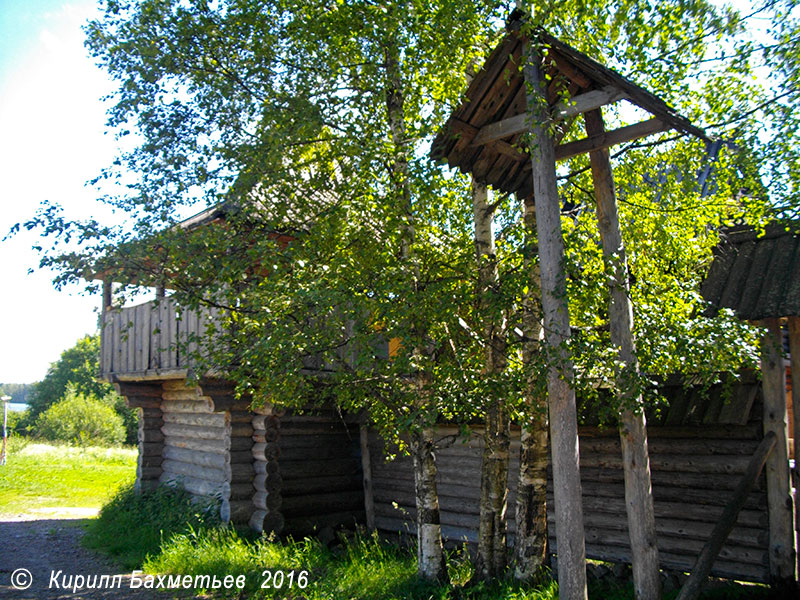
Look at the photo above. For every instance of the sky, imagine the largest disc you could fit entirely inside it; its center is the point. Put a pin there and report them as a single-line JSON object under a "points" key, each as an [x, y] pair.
{"points": [[52, 142]]}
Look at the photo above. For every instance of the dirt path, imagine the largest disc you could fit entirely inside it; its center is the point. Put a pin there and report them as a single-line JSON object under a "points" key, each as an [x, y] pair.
{"points": [[43, 544]]}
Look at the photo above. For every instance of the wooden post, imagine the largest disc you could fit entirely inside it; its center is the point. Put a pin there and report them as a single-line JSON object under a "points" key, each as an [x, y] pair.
{"points": [[794, 350], [561, 395], [779, 497], [366, 469], [107, 298], [632, 426], [702, 567]]}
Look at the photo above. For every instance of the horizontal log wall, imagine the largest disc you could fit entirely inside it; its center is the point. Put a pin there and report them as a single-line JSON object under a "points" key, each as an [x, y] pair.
{"points": [[149, 338], [320, 469], [694, 471], [197, 452]]}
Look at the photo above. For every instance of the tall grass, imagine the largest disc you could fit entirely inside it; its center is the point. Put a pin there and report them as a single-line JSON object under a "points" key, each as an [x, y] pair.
{"points": [[360, 567], [133, 525]]}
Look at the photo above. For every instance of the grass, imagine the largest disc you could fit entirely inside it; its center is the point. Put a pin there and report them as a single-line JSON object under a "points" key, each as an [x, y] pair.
{"points": [[360, 567], [38, 476], [132, 526]]}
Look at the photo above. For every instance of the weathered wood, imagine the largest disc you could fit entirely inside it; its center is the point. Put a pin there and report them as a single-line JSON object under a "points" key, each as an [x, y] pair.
{"points": [[202, 419], [779, 497], [205, 459], [561, 396], [633, 430], [366, 469], [267, 500], [610, 138], [273, 482], [299, 469], [562, 110], [702, 568], [299, 526], [206, 433], [218, 446], [200, 487], [264, 521], [241, 510], [196, 470], [794, 350]]}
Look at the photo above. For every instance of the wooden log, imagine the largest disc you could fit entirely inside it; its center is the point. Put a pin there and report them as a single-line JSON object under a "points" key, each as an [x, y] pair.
{"points": [[267, 501], [187, 431], [266, 451], [271, 482], [702, 568], [561, 396], [242, 473], [197, 404], [195, 471], [270, 467], [148, 472], [199, 487], [241, 430], [317, 504], [195, 419], [150, 422], [220, 446], [779, 497], [304, 469], [326, 452], [150, 448], [242, 491], [241, 510], [150, 462], [195, 457], [610, 138]]}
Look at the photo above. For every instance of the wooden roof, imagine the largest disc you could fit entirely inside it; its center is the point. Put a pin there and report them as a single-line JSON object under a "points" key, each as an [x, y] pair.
{"points": [[757, 276], [482, 136]]}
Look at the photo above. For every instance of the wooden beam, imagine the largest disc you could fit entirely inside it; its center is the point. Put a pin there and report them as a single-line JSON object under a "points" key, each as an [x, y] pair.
{"points": [[561, 394], [702, 567], [610, 138], [794, 350], [775, 419], [632, 425], [562, 110]]}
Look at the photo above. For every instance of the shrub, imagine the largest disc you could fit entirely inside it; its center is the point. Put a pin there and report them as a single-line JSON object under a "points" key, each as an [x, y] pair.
{"points": [[80, 420]]}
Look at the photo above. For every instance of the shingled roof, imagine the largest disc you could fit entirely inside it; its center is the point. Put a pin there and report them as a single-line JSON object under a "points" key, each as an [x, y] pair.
{"points": [[757, 276], [482, 136]]}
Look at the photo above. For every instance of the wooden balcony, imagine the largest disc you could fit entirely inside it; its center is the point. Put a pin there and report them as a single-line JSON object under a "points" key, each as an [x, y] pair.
{"points": [[153, 340]]}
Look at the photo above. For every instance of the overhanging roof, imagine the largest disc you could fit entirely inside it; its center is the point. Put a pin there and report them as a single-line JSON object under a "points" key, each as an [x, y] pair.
{"points": [[482, 136], [757, 276]]}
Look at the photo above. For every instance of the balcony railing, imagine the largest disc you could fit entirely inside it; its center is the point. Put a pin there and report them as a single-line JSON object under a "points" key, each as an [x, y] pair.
{"points": [[150, 340]]}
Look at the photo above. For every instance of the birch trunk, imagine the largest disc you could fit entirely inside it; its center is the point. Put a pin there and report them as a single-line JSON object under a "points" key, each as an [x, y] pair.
{"points": [[492, 557], [430, 553], [530, 543], [632, 426], [560, 375]]}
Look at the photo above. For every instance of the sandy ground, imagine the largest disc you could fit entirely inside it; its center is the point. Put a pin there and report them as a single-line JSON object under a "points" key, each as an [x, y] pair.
{"points": [[48, 540]]}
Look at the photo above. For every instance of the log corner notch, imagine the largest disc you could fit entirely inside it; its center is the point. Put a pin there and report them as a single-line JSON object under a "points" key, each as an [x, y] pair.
{"points": [[146, 397]]}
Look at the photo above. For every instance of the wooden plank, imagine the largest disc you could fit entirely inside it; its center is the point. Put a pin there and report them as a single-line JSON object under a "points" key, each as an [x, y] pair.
{"points": [[781, 515], [610, 138], [562, 110]]}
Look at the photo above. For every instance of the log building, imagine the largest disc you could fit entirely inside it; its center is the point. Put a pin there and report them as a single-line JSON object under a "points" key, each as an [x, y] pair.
{"points": [[291, 473]]}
